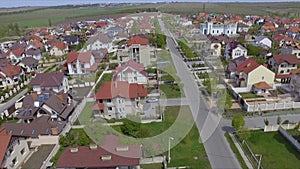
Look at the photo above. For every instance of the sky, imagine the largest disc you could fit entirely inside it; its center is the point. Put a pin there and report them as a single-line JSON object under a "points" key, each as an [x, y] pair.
{"points": [[21, 3]]}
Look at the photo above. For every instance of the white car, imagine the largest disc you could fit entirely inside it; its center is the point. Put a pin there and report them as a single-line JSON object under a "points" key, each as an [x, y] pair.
{"points": [[152, 100]]}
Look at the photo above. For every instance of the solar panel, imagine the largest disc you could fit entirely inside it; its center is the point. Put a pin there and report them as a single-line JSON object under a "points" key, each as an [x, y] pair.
{"points": [[41, 98], [46, 95]]}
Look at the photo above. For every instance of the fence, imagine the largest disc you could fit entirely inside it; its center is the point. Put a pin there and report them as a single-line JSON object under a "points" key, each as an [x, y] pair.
{"points": [[276, 127], [290, 138], [253, 158], [270, 106]]}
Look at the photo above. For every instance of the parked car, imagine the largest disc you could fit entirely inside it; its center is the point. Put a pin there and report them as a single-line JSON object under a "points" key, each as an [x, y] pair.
{"points": [[152, 100]]}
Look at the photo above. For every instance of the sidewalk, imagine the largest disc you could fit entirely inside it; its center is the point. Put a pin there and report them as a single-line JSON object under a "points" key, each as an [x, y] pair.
{"points": [[237, 145]]}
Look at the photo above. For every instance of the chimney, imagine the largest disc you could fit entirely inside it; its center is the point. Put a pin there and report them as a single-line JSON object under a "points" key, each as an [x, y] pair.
{"points": [[74, 150], [93, 146]]}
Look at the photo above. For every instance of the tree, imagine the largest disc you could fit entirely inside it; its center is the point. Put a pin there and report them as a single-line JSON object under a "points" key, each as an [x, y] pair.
{"points": [[49, 22], [238, 122], [130, 128], [266, 121], [278, 120]]}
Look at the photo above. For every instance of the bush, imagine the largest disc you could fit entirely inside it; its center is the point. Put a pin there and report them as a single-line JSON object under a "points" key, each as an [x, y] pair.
{"points": [[113, 65], [186, 50]]}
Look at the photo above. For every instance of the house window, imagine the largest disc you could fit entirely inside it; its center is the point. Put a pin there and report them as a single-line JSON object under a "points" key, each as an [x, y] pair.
{"points": [[281, 72], [14, 162], [108, 100], [262, 78], [281, 65], [22, 151], [119, 101], [288, 70], [109, 108]]}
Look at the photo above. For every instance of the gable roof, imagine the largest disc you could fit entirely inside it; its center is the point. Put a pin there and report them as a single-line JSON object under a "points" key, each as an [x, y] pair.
{"points": [[231, 67], [18, 52], [289, 58], [247, 66], [101, 37], [10, 70], [139, 67], [40, 126], [59, 45], [114, 89], [47, 79], [4, 143], [138, 39], [29, 61], [94, 158]]}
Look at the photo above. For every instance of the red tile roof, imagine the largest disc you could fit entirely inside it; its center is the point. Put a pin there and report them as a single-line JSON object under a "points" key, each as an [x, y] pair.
{"points": [[283, 76], [289, 58], [18, 52], [59, 45], [10, 70], [262, 85], [137, 40], [4, 143], [114, 89], [247, 66]]}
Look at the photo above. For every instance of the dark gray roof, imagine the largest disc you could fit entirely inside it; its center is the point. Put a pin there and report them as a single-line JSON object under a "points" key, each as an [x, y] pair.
{"points": [[53, 79], [30, 61], [41, 126], [231, 67]]}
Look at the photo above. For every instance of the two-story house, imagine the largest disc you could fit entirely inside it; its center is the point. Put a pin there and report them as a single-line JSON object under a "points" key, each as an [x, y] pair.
{"points": [[218, 29], [16, 55], [99, 41], [291, 50], [295, 83], [55, 81], [29, 64], [79, 63], [138, 50], [234, 50], [132, 72], [13, 150], [58, 106], [263, 41], [10, 75], [117, 99], [250, 72], [283, 64], [58, 48]]}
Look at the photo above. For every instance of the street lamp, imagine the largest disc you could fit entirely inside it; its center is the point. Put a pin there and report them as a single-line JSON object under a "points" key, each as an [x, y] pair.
{"points": [[169, 154], [259, 161]]}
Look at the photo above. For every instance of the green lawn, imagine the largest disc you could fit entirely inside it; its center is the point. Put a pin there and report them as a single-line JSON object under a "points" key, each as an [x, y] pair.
{"points": [[105, 78], [276, 151], [250, 95], [37, 158], [152, 166], [235, 151], [171, 91]]}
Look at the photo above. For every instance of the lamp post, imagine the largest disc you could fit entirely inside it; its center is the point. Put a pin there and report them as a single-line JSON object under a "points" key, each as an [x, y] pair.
{"points": [[169, 153]]}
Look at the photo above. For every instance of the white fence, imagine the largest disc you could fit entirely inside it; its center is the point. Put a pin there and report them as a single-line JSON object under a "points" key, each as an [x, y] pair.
{"points": [[290, 138], [271, 128], [271, 106]]}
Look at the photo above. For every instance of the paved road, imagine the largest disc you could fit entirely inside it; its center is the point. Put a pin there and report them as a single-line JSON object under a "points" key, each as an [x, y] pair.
{"points": [[211, 131], [12, 101]]}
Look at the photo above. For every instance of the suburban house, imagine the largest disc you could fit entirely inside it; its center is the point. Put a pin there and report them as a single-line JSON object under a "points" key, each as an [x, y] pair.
{"points": [[138, 50], [132, 72], [34, 53], [29, 64], [234, 50], [231, 67], [283, 64], [117, 99], [217, 44], [13, 150], [72, 39], [16, 55], [111, 154], [79, 63], [55, 81], [291, 50], [250, 72], [10, 75], [241, 27], [58, 48], [295, 83], [211, 28], [58, 106], [99, 41], [263, 41], [42, 126]]}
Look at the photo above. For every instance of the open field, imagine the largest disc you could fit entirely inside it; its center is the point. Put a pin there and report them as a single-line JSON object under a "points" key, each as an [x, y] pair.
{"points": [[276, 151], [279, 8]]}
